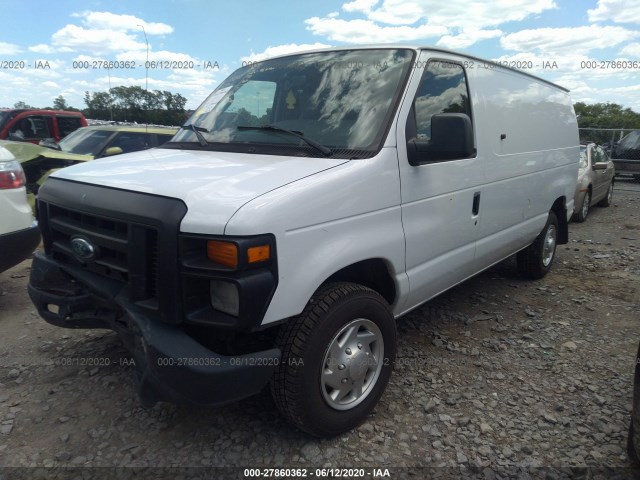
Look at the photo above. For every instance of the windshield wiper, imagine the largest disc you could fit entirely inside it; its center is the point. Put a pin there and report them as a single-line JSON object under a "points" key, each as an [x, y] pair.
{"points": [[197, 130], [325, 150]]}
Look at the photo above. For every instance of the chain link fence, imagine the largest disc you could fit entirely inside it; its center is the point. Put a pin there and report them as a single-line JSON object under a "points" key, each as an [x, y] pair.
{"points": [[622, 145]]}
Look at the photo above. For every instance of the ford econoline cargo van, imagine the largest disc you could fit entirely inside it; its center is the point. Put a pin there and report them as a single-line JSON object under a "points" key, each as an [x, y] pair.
{"points": [[310, 201]]}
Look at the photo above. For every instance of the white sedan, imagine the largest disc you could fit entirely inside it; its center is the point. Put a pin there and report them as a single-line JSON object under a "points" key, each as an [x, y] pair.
{"points": [[19, 233]]}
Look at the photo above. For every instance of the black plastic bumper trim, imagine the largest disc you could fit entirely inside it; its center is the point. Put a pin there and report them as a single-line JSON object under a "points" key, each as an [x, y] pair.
{"points": [[170, 365]]}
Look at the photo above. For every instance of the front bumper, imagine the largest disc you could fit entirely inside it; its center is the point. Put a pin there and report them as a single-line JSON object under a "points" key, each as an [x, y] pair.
{"points": [[16, 246], [170, 365]]}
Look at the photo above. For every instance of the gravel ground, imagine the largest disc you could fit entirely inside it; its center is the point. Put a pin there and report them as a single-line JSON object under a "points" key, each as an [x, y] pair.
{"points": [[497, 378]]}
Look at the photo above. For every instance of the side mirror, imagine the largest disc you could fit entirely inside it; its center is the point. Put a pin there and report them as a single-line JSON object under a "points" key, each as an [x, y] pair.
{"points": [[600, 166], [112, 151], [451, 139]]}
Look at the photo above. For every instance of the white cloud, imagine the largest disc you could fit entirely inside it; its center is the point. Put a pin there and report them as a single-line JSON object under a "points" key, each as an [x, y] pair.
{"points": [[103, 32], [366, 31], [461, 22], [359, 6], [595, 92], [42, 48], [567, 40], [140, 56], [467, 38], [282, 50], [122, 23], [631, 50], [452, 13], [9, 49], [95, 40], [619, 11]]}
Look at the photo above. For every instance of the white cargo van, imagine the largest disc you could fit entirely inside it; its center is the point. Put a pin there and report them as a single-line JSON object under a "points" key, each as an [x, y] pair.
{"points": [[308, 203]]}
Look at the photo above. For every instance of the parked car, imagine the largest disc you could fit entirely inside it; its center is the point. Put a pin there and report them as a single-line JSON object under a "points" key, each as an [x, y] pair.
{"points": [[626, 155], [595, 180], [19, 234], [84, 144], [34, 125], [310, 201]]}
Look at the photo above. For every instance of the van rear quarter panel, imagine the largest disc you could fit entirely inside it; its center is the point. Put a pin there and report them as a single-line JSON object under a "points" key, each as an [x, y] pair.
{"points": [[533, 165]]}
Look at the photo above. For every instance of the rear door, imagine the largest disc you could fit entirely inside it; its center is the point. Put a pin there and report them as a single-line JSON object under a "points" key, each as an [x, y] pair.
{"points": [[441, 200]]}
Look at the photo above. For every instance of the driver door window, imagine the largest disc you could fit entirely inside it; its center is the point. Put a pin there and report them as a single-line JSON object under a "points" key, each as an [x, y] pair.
{"points": [[443, 89]]}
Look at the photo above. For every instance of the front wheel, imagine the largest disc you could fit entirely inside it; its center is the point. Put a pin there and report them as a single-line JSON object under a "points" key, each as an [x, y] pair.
{"points": [[337, 357], [535, 261]]}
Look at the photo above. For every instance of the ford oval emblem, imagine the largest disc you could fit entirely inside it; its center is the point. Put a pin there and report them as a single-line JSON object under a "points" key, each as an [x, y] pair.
{"points": [[83, 249]]}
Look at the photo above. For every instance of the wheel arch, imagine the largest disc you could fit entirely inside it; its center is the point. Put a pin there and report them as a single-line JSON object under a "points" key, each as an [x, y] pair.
{"points": [[373, 273]]}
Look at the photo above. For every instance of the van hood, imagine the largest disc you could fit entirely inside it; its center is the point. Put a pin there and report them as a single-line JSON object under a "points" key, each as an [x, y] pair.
{"points": [[213, 185]]}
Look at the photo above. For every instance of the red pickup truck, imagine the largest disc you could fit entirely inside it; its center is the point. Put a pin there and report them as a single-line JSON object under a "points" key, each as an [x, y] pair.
{"points": [[32, 125]]}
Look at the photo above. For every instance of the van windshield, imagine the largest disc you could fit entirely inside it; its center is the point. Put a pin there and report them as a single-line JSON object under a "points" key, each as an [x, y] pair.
{"points": [[341, 100]]}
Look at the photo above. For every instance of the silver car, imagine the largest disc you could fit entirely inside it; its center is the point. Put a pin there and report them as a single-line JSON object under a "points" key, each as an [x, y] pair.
{"points": [[595, 180]]}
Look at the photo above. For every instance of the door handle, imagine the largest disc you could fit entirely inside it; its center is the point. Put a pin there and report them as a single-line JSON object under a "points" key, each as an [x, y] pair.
{"points": [[476, 204]]}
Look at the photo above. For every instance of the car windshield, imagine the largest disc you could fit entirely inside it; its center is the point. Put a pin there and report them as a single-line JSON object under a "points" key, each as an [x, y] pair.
{"points": [[342, 100], [632, 140], [85, 141]]}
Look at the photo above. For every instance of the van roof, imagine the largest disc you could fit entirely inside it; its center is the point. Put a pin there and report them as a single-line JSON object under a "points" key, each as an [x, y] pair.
{"points": [[419, 47]]}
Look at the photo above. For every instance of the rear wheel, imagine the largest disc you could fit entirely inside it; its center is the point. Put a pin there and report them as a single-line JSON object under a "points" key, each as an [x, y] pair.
{"points": [[608, 200], [337, 357], [581, 215], [535, 261]]}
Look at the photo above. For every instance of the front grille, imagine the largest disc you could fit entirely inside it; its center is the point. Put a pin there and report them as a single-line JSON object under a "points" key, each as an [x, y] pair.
{"points": [[126, 252], [136, 235]]}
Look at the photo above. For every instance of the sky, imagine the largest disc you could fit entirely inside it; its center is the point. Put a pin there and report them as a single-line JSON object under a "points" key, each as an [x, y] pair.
{"points": [[47, 49]]}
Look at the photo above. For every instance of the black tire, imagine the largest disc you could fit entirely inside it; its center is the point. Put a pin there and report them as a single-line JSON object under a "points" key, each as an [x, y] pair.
{"points": [[581, 215], [299, 386], [608, 200], [534, 261]]}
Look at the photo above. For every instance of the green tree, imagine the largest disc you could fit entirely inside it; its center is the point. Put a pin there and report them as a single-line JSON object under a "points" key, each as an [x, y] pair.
{"points": [[59, 103], [21, 104], [604, 116], [135, 104]]}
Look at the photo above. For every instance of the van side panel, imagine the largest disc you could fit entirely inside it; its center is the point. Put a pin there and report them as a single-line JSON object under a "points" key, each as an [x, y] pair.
{"points": [[529, 135]]}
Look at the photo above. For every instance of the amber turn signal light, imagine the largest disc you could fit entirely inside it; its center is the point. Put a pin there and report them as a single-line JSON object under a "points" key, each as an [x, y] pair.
{"points": [[261, 253], [224, 253]]}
